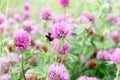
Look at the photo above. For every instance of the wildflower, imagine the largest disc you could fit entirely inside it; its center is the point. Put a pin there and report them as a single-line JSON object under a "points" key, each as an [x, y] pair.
{"points": [[5, 77], [5, 64], [88, 15], [57, 71], [116, 56], [26, 15], [83, 19], [11, 21], [27, 26], [46, 13], [65, 49], [31, 75], [16, 57], [115, 35], [37, 45], [103, 54], [21, 40], [60, 30], [26, 6], [117, 22], [111, 17], [2, 18], [64, 3], [111, 50], [17, 17]]}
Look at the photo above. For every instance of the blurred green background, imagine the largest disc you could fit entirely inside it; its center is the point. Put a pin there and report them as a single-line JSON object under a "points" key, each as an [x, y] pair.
{"points": [[16, 6], [76, 6]]}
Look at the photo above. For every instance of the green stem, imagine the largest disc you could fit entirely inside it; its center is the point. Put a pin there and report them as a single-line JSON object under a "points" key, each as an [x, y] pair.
{"points": [[22, 66], [61, 44], [93, 44], [117, 74]]}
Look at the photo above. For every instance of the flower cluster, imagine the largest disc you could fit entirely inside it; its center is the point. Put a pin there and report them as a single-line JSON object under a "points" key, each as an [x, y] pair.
{"points": [[57, 46], [115, 36], [57, 71], [111, 17], [85, 17], [17, 17], [64, 2], [5, 77], [5, 64], [46, 13], [21, 40], [2, 18], [60, 30], [27, 26], [27, 6], [116, 56], [65, 49]]}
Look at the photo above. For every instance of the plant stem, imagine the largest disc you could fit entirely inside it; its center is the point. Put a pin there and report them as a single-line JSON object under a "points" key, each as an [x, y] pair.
{"points": [[22, 66], [61, 44], [117, 74]]}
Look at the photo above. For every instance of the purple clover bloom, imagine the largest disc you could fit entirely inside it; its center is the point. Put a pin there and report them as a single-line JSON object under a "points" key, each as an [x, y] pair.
{"points": [[117, 22], [46, 13], [27, 6], [5, 77], [57, 71], [11, 21], [111, 17], [115, 36], [4, 64], [21, 40], [17, 17], [88, 15], [103, 54], [60, 30], [26, 15], [83, 19], [2, 18], [27, 26], [116, 56], [64, 3], [66, 48]]}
